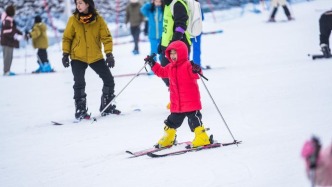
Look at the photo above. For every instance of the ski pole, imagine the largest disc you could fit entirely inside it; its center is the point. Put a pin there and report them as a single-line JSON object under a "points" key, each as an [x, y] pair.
{"points": [[312, 175], [203, 76], [235, 141], [136, 75]]}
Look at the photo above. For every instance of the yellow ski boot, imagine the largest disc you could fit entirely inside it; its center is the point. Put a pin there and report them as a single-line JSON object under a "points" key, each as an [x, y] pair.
{"points": [[168, 106], [201, 137], [168, 139]]}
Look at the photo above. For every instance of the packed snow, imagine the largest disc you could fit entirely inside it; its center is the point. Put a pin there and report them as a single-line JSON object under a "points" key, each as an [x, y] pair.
{"points": [[271, 94]]}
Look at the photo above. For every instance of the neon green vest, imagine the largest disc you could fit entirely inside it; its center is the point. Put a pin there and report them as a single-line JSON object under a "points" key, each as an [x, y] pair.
{"points": [[168, 25]]}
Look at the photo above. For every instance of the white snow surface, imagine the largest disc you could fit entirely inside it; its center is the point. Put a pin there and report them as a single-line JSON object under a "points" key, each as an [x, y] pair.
{"points": [[271, 94]]}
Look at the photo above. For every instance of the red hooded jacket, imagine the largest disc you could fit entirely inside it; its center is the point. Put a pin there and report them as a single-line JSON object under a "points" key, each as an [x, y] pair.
{"points": [[183, 87]]}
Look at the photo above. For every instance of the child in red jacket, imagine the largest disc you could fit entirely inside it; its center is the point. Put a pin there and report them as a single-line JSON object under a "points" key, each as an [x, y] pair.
{"points": [[184, 94]]}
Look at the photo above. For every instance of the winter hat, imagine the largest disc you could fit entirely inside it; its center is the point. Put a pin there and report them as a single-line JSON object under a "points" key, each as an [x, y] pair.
{"points": [[133, 1], [38, 19], [10, 10]]}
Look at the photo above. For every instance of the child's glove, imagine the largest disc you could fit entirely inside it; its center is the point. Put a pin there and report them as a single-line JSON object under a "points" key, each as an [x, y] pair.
{"points": [[195, 68], [110, 60], [150, 60], [65, 60]]}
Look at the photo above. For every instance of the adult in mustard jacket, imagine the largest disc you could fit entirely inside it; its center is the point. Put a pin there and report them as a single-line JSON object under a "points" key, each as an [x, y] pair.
{"points": [[82, 40], [40, 42]]}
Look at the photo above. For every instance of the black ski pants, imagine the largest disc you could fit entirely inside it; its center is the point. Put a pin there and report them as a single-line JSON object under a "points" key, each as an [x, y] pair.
{"points": [[175, 120], [325, 27], [135, 31], [100, 67], [275, 9], [42, 56]]}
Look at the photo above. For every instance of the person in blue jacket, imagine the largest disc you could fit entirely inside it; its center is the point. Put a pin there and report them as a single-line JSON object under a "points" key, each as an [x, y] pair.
{"points": [[154, 13]]}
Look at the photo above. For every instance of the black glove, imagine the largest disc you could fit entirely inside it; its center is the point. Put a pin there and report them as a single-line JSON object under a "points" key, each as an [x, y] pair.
{"points": [[195, 68], [110, 60], [177, 36], [65, 60], [150, 60]]}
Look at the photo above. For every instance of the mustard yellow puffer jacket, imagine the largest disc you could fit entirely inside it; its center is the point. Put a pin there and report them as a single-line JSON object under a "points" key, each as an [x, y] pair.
{"points": [[39, 36], [83, 41]]}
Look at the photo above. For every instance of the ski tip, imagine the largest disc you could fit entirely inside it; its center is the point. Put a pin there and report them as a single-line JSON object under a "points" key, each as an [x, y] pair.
{"points": [[129, 152]]}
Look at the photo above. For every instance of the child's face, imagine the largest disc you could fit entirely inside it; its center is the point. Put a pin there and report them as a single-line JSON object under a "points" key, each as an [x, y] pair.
{"points": [[173, 55], [82, 7]]}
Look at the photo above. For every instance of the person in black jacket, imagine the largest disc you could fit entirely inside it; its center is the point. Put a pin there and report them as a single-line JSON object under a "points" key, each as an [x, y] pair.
{"points": [[325, 28]]}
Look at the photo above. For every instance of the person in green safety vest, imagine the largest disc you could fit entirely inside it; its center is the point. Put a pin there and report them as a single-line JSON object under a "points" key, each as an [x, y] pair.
{"points": [[175, 25]]}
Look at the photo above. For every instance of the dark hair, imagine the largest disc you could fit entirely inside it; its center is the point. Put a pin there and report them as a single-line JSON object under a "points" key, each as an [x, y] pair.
{"points": [[10, 10], [153, 7], [38, 19], [91, 8]]}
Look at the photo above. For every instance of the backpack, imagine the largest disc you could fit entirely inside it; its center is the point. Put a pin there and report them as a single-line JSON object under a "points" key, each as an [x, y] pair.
{"points": [[195, 22]]}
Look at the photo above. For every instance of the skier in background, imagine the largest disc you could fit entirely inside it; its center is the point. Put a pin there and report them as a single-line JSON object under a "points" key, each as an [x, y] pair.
{"points": [[325, 28], [10, 37], [318, 162], [134, 17], [184, 94], [85, 32], [275, 4], [40, 41]]}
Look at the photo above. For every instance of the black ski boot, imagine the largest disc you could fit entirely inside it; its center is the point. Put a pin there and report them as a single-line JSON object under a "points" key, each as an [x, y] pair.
{"points": [[326, 50], [81, 110], [105, 100]]}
